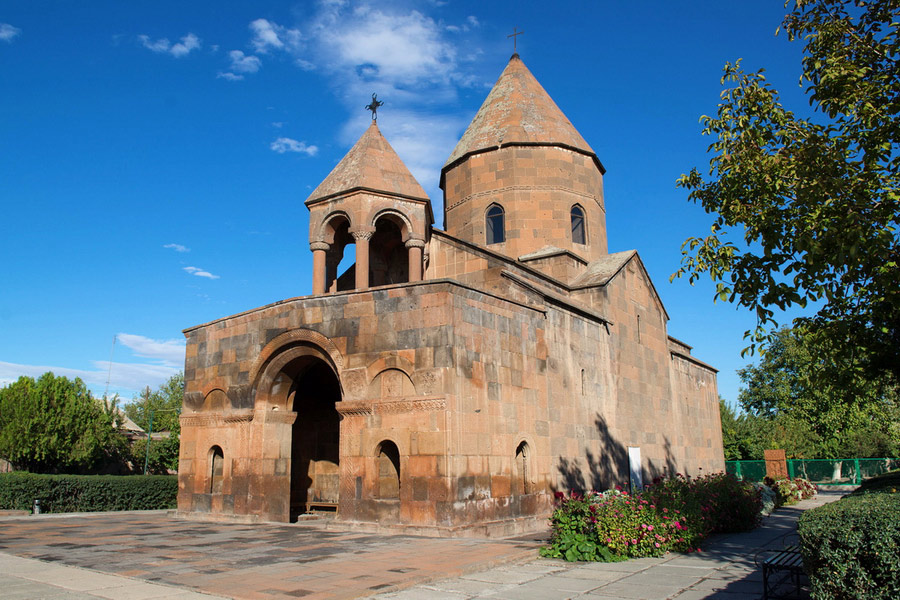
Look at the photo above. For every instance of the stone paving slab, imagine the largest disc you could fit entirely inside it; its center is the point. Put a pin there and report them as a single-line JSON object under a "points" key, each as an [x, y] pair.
{"points": [[145, 556]]}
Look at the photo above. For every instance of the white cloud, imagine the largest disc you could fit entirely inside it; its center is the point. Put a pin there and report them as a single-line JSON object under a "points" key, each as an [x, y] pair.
{"points": [[268, 35], [163, 45], [200, 272], [284, 144], [184, 47], [177, 247], [124, 378], [8, 32], [240, 63], [168, 352]]}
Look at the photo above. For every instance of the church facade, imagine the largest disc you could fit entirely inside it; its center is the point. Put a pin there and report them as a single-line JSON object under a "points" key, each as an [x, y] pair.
{"points": [[451, 380]]}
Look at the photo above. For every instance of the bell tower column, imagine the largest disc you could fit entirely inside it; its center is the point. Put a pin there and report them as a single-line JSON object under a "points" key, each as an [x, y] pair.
{"points": [[319, 249], [415, 247], [362, 235]]}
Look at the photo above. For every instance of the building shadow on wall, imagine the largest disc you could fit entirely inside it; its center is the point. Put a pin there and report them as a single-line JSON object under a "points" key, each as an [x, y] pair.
{"points": [[609, 467]]}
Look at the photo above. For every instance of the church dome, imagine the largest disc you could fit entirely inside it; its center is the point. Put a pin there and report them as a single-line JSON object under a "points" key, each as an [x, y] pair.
{"points": [[518, 111]]}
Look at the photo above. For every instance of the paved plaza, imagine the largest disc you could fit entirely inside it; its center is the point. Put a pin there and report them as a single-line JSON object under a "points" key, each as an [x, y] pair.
{"points": [[150, 555]]}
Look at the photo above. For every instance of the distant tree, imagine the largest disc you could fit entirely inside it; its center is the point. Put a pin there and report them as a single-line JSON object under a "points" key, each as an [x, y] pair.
{"points": [[811, 416], [746, 436], [54, 425], [816, 202], [164, 405]]}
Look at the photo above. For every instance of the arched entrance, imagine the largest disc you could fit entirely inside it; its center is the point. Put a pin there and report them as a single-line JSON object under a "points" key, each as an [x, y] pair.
{"points": [[315, 435]]}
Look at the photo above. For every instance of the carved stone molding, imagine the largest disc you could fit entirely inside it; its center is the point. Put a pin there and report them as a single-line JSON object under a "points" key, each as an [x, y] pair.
{"points": [[415, 243], [241, 417], [406, 405], [319, 246], [362, 234]]}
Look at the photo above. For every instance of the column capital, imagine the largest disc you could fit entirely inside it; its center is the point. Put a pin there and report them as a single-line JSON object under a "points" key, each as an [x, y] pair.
{"points": [[319, 246], [415, 243], [362, 233]]}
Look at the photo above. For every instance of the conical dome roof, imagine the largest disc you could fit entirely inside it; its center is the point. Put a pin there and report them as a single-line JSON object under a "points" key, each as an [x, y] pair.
{"points": [[518, 111], [370, 164]]}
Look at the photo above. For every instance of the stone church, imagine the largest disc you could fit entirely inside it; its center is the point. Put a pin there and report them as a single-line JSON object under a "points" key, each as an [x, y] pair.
{"points": [[452, 379]]}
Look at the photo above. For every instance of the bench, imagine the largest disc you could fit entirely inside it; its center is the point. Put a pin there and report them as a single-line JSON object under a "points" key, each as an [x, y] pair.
{"points": [[788, 560]]}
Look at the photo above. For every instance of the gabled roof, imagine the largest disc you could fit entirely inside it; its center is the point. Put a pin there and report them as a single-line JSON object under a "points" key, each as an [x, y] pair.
{"points": [[371, 164], [518, 111]]}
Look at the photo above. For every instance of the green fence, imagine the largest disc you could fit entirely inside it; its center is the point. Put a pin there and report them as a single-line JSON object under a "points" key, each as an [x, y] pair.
{"points": [[844, 471]]}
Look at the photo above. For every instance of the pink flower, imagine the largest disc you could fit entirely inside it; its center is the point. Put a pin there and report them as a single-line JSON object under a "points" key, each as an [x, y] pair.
{"points": [[650, 528], [656, 544]]}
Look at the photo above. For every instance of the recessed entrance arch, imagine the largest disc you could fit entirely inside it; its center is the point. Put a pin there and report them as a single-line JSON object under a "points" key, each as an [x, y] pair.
{"points": [[301, 382]]}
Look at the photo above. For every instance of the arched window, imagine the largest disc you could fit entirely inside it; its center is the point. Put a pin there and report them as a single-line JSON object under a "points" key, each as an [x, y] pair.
{"points": [[579, 234], [216, 468], [494, 227], [388, 461], [523, 475]]}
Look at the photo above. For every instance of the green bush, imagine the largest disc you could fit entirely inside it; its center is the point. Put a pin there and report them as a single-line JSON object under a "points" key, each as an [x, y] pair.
{"points": [[886, 482], [851, 548], [87, 493]]}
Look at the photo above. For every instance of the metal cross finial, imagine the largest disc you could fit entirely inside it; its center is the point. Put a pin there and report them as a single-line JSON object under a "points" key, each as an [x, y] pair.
{"points": [[513, 36], [374, 107]]}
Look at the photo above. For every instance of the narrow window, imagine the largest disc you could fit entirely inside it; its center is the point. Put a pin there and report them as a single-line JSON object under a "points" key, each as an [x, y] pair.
{"points": [[639, 329], [388, 461], [523, 483], [216, 464], [583, 384], [494, 231], [579, 236]]}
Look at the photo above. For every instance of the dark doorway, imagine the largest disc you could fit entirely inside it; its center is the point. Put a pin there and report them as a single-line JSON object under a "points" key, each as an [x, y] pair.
{"points": [[388, 256], [315, 439]]}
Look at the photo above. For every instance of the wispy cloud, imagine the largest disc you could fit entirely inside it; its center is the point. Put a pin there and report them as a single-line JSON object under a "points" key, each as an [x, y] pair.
{"points": [[177, 247], [241, 63], [165, 358], [200, 272], [268, 35], [285, 144], [163, 45], [167, 352], [8, 32], [407, 57]]}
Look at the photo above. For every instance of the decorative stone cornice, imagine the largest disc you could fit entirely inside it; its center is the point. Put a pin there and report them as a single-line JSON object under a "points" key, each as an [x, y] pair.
{"points": [[313, 246], [415, 243], [241, 417], [406, 405]]}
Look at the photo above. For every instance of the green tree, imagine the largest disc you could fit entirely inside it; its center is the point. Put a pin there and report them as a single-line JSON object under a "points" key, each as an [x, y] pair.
{"points": [[53, 424], [746, 436], [164, 406], [816, 203], [808, 415]]}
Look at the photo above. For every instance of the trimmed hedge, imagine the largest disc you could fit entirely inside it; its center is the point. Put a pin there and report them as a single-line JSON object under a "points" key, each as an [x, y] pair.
{"points": [[851, 548], [87, 493]]}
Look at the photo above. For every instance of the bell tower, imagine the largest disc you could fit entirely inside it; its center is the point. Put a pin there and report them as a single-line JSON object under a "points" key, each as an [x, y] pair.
{"points": [[369, 199]]}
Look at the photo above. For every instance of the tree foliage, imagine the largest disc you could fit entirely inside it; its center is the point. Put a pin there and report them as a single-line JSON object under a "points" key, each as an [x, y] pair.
{"points": [[164, 406], [815, 201], [54, 425], [786, 396]]}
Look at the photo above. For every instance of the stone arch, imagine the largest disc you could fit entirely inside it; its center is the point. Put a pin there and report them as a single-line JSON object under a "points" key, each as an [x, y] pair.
{"points": [[299, 341], [332, 223], [400, 219], [391, 383], [387, 470], [392, 361], [215, 400], [388, 255], [216, 463]]}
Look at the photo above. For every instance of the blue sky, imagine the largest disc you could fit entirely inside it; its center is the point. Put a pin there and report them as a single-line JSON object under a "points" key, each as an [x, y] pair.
{"points": [[155, 156]]}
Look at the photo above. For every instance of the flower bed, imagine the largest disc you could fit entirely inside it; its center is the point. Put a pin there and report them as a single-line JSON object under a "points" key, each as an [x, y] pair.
{"points": [[675, 513]]}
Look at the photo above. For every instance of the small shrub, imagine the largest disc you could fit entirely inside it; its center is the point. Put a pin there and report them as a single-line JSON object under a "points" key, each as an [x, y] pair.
{"points": [[768, 497], [87, 493], [791, 491], [850, 548], [574, 536]]}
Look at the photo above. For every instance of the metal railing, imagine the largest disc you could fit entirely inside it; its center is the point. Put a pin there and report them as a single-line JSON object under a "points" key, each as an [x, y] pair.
{"points": [[844, 471]]}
